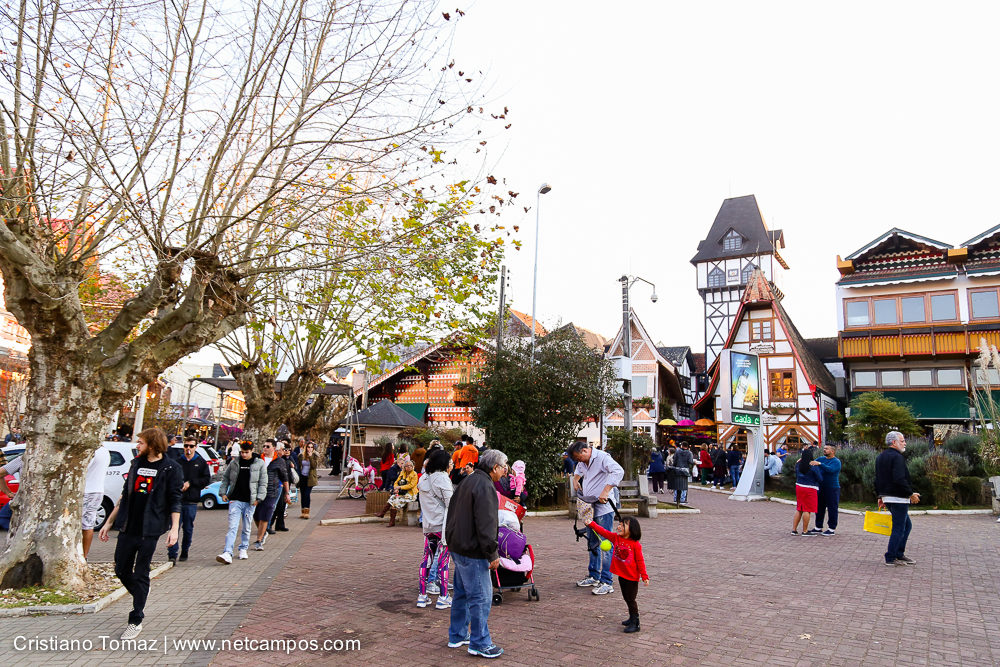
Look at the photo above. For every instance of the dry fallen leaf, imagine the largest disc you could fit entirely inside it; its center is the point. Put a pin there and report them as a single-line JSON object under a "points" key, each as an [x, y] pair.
{"points": [[678, 644], [805, 636]]}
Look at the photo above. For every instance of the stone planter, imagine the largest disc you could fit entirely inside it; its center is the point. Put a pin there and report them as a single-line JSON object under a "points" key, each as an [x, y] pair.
{"points": [[995, 483]]}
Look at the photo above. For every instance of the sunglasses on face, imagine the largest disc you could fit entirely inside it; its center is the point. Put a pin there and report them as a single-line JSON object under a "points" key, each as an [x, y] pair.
{"points": [[190, 446]]}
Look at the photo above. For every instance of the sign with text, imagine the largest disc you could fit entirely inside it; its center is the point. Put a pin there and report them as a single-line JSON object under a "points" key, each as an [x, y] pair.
{"points": [[739, 388]]}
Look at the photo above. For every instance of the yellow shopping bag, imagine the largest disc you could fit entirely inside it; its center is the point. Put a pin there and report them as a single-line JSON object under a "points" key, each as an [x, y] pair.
{"points": [[879, 523]]}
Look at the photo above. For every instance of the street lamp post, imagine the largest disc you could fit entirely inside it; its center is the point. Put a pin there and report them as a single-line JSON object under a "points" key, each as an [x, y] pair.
{"points": [[627, 282], [545, 187]]}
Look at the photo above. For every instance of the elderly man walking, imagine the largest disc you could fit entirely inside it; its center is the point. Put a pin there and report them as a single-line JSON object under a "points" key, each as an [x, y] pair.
{"points": [[471, 526], [600, 475], [895, 493]]}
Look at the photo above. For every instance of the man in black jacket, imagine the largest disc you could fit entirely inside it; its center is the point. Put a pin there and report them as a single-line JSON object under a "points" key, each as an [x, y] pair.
{"points": [[277, 486], [194, 472], [150, 505], [471, 527], [895, 493], [278, 516]]}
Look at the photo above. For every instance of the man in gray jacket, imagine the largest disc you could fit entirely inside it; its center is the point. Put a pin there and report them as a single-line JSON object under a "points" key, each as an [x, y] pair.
{"points": [[683, 460], [596, 479], [244, 484]]}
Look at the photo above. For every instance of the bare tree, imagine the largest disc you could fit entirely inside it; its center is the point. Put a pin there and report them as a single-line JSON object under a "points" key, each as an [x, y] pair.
{"points": [[13, 392], [196, 150]]}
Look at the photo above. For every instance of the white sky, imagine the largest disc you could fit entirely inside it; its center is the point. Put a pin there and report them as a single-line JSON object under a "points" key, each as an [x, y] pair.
{"points": [[844, 120]]}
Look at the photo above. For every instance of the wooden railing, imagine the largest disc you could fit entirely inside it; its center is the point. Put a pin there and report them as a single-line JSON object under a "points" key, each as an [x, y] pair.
{"points": [[901, 343]]}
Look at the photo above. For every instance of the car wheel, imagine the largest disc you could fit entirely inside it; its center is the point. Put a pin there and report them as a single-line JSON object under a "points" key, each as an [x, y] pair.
{"points": [[102, 513], [208, 502]]}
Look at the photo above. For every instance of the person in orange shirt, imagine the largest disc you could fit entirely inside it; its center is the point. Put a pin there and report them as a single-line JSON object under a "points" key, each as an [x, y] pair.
{"points": [[468, 454]]}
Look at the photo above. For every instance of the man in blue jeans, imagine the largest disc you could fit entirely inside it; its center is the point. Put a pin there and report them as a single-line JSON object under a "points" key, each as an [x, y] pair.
{"points": [[596, 479], [244, 484], [471, 536], [196, 476], [895, 493], [829, 491], [734, 458]]}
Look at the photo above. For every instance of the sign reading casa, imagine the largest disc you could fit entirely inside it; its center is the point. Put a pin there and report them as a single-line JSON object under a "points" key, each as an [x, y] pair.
{"points": [[741, 403]]}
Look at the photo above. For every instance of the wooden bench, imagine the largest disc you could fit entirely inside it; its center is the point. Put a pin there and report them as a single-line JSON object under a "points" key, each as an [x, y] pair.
{"points": [[638, 491]]}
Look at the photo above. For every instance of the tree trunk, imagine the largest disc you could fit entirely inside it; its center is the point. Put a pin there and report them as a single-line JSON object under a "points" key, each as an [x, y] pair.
{"points": [[266, 409], [63, 428]]}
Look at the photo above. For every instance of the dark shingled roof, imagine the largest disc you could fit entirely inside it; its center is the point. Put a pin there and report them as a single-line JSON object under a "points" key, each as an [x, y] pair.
{"points": [[824, 348], [385, 413], [743, 215], [677, 355], [699, 362]]}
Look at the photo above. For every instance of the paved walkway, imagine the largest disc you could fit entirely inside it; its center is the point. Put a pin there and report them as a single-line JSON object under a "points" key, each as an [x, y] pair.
{"points": [[729, 586]]}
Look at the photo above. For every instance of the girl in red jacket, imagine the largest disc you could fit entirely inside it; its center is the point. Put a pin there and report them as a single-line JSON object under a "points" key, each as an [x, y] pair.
{"points": [[627, 563]]}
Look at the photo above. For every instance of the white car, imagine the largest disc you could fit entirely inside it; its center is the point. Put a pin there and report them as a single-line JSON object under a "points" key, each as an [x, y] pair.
{"points": [[122, 454], [210, 456]]}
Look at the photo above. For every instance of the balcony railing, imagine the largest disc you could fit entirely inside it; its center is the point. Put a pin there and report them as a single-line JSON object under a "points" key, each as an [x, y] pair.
{"points": [[901, 343]]}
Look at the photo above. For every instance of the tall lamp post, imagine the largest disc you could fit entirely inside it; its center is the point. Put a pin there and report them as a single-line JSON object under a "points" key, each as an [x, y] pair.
{"points": [[627, 282], [545, 187]]}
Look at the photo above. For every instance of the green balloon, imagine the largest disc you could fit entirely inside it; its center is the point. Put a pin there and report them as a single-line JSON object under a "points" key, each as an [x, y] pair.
{"points": [[606, 545]]}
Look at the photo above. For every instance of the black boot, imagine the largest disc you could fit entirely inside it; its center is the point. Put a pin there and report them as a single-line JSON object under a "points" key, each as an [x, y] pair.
{"points": [[634, 627], [629, 621]]}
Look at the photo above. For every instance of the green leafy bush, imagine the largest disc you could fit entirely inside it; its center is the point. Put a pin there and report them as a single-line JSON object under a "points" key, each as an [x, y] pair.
{"points": [[967, 446], [641, 445], [941, 470], [970, 491], [873, 415]]}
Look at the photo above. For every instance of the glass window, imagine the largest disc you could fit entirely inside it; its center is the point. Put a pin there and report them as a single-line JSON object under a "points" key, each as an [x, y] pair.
{"points": [[733, 241], [921, 379], [747, 272], [943, 308], [984, 304], [949, 377], [717, 278], [639, 386], [885, 311], [892, 378], [116, 459], [782, 386], [760, 330], [913, 309], [864, 379], [991, 377], [857, 313]]}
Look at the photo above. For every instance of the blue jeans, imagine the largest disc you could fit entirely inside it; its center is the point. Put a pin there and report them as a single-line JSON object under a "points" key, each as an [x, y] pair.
{"points": [[188, 513], [600, 561], [472, 596], [734, 472], [901, 526], [829, 501], [432, 575], [239, 512]]}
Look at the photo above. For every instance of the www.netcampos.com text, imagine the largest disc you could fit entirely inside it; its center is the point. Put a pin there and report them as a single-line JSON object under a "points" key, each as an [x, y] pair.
{"points": [[167, 645]]}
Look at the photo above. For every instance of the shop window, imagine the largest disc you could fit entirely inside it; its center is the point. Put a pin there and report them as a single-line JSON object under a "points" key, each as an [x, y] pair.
{"points": [[943, 308], [892, 378], [732, 241], [913, 309], [716, 278], [782, 385], [984, 305], [857, 313], [761, 330], [793, 442], [865, 379], [950, 377], [885, 311]]}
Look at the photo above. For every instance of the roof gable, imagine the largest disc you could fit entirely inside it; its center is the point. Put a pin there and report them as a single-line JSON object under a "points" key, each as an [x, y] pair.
{"points": [[385, 413], [897, 239], [742, 215]]}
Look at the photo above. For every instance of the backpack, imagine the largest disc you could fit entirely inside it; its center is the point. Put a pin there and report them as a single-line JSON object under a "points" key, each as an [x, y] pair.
{"points": [[511, 543]]}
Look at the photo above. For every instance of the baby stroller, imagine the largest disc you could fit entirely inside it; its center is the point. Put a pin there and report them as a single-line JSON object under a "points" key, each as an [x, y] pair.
{"points": [[515, 572]]}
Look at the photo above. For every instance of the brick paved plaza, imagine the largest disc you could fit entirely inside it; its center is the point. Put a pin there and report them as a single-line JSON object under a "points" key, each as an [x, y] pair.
{"points": [[729, 587]]}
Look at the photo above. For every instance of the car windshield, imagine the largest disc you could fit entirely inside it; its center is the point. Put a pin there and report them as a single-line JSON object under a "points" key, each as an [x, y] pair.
{"points": [[212, 453]]}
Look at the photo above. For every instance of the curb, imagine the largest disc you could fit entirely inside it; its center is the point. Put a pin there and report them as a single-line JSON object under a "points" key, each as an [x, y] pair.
{"points": [[352, 519], [548, 513], [89, 608]]}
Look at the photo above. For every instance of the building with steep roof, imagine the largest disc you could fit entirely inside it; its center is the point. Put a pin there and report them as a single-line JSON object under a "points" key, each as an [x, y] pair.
{"points": [[683, 362], [738, 243], [911, 312], [798, 392]]}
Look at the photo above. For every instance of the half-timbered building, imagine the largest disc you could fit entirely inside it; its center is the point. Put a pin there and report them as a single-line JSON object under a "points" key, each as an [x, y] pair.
{"points": [[738, 243], [796, 387]]}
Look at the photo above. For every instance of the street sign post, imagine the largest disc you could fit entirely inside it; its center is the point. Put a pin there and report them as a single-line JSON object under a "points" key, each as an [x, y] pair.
{"points": [[740, 404]]}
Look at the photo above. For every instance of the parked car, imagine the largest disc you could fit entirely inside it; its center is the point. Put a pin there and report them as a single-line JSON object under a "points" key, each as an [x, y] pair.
{"points": [[204, 451], [122, 454], [210, 497]]}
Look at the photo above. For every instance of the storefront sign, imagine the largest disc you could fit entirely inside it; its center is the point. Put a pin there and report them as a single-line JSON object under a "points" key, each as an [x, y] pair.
{"points": [[769, 419], [762, 348]]}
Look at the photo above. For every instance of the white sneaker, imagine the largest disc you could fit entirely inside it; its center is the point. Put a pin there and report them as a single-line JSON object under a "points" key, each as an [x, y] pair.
{"points": [[589, 581], [258, 546], [422, 601], [226, 558], [264, 541], [444, 602], [243, 554], [603, 589], [132, 631], [433, 589]]}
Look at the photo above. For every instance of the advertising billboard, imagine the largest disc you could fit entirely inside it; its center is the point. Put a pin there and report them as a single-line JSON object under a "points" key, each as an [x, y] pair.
{"points": [[739, 388]]}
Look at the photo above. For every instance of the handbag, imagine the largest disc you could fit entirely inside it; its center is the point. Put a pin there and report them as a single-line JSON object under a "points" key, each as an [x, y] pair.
{"points": [[879, 523], [294, 474]]}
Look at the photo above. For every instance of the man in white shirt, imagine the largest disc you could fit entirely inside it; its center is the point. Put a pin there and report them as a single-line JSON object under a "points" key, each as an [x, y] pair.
{"points": [[600, 475], [93, 494]]}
